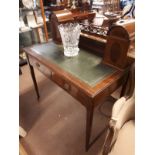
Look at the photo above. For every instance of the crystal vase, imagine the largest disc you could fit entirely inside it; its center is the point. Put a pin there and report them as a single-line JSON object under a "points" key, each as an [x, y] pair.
{"points": [[70, 33]]}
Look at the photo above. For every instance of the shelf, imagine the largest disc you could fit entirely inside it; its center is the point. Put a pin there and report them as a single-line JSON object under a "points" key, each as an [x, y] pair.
{"points": [[27, 10]]}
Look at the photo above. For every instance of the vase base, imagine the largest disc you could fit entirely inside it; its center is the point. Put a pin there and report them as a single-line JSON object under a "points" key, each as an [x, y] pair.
{"points": [[71, 52]]}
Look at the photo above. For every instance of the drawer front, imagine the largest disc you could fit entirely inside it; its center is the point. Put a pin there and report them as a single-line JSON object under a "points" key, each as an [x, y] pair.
{"points": [[65, 85], [46, 71]]}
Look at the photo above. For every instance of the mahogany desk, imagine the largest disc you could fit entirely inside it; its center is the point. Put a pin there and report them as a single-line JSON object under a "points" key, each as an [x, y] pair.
{"points": [[84, 77]]}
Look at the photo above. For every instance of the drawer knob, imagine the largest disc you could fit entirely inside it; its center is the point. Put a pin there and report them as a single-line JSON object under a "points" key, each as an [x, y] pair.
{"points": [[37, 64], [52, 73], [66, 86]]}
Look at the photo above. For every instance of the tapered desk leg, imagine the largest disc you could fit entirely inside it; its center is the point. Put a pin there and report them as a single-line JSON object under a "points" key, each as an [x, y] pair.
{"points": [[33, 77], [124, 86], [34, 81], [89, 120], [129, 85]]}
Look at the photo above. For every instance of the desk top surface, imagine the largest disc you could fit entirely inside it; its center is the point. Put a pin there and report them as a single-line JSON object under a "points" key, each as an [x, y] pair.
{"points": [[87, 67]]}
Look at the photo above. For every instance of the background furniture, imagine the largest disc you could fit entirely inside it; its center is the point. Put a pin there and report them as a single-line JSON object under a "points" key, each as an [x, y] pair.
{"points": [[120, 134], [121, 125], [32, 28], [96, 30], [64, 16], [44, 21]]}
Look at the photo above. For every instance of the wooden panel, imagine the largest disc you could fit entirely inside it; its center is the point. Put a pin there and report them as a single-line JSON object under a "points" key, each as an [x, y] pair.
{"points": [[68, 87], [116, 52], [47, 72]]}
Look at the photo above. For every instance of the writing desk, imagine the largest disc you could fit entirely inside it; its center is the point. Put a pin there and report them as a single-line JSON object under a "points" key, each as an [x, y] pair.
{"points": [[84, 77]]}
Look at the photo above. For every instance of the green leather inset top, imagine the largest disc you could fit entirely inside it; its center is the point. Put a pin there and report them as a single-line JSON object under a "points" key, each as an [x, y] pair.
{"points": [[85, 66]]}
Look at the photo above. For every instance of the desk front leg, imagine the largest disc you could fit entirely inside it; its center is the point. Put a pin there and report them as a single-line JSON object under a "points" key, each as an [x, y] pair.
{"points": [[89, 122], [33, 77]]}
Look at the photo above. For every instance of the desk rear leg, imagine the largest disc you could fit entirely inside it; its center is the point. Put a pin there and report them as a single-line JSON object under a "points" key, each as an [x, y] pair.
{"points": [[89, 121]]}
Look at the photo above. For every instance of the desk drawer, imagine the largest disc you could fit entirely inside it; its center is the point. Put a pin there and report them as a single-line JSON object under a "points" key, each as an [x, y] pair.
{"points": [[65, 84], [46, 71]]}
